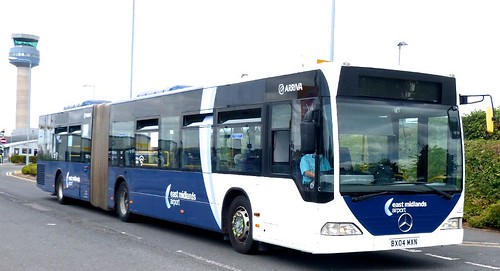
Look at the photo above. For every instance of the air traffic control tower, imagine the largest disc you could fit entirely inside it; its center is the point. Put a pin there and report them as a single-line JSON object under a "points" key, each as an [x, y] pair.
{"points": [[24, 56]]}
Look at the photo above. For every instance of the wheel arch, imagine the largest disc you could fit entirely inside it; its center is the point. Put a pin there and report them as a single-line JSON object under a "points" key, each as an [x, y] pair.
{"points": [[119, 180], [58, 173], [228, 199]]}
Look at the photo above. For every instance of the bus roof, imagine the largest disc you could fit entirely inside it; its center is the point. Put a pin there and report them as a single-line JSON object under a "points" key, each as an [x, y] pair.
{"points": [[327, 67]]}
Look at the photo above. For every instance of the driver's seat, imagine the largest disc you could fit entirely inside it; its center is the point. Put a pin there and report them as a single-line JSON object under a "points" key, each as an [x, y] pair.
{"points": [[345, 159]]}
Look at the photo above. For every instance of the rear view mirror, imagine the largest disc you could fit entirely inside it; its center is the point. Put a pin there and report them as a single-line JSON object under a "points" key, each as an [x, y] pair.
{"points": [[490, 111], [489, 120], [453, 122]]}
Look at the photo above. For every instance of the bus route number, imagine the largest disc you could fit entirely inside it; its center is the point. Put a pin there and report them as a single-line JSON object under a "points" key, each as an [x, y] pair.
{"points": [[406, 242]]}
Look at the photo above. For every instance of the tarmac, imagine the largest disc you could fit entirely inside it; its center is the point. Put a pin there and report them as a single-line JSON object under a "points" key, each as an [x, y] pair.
{"points": [[19, 174]]}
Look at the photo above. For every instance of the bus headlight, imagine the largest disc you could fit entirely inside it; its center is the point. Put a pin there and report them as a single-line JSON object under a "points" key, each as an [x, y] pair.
{"points": [[452, 224], [340, 229]]}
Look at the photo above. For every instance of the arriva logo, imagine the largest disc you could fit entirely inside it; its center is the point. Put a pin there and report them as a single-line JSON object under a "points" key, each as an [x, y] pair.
{"points": [[282, 88]]}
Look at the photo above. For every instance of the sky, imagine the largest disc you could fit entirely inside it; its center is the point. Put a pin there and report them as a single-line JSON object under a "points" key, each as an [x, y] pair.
{"points": [[85, 46]]}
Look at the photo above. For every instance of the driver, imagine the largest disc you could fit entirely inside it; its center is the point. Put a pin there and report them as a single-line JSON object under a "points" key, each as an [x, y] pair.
{"points": [[307, 168]]}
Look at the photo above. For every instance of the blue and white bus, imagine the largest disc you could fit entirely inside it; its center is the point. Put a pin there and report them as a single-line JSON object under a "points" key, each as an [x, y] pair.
{"points": [[227, 159]]}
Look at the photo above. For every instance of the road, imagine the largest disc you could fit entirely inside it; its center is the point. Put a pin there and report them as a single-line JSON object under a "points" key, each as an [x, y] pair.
{"points": [[37, 233]]}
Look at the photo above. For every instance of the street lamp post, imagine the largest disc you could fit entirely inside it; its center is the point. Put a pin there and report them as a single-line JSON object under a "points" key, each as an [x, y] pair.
{"points": [[132, 49], [400, 44], [10, 147], [332, 31]]}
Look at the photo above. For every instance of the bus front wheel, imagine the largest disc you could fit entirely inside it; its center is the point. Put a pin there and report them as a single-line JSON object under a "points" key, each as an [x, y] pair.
{"points": [[239, 226], [122, 203]]}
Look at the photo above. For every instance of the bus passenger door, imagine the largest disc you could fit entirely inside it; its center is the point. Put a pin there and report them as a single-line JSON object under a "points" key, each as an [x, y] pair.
{"points": [[78, 177], [280, 138]]}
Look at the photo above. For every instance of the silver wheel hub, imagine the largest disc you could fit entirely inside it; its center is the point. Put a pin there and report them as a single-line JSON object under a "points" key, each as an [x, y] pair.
{"points": [[241, 224], [60, 190], [123, 202]]}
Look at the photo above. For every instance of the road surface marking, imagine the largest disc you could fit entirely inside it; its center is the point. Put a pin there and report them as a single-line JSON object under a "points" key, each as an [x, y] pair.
{"points": [[480, 244], [208, 261], [442, 257], [11, 174], [485, 266], [411, 250]]}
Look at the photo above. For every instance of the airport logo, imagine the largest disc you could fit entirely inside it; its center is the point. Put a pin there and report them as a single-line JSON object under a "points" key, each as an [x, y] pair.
{"points": [[282, 88], [173, 198], [391, 207], [71, 180]]}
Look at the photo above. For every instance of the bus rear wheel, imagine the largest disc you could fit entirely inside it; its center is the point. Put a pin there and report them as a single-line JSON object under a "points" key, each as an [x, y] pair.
{"points": [[122, 203], [60, 190], [239, 226]]}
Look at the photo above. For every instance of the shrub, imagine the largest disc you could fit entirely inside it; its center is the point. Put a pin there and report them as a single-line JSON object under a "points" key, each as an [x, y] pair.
{"points": [[17, 159], [474, 125], [29, 169], [482, 192], [488, 218], [492, 216], [21, 159]]}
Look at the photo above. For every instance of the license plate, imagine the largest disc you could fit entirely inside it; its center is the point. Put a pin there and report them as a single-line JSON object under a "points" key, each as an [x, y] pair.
{"points": [[404, 242]]}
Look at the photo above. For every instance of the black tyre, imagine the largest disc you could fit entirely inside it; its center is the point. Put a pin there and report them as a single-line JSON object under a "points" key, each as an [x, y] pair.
{"points": [[122, 203], [60, 190], [239, 226]]}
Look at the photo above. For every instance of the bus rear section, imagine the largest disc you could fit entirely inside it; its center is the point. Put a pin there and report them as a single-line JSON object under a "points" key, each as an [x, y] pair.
{"points": [[64, 153]]}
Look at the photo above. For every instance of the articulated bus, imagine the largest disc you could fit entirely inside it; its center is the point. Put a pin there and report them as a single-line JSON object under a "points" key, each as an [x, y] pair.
{"points": [[385, 145]]}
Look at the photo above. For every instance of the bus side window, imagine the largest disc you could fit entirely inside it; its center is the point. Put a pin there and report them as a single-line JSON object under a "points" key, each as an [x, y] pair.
{"points": [[61, 143], [222, 150], [238, 149], [75, 144], [190, 154], [146, 143], [251, 149], [238, 141], [122, 146], [169, 142]]}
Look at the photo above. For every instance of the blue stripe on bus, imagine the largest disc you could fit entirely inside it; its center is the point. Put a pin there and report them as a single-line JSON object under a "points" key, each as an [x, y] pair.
{"points": [[176, 196]]}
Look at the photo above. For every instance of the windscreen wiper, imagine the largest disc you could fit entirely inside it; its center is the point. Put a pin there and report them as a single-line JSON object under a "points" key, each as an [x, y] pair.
{"points": [[371, 195], [438, 191], [368, 196]]}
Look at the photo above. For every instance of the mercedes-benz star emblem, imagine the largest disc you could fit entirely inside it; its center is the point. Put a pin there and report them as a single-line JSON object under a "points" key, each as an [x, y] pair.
{"points": [[405, 222]]}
